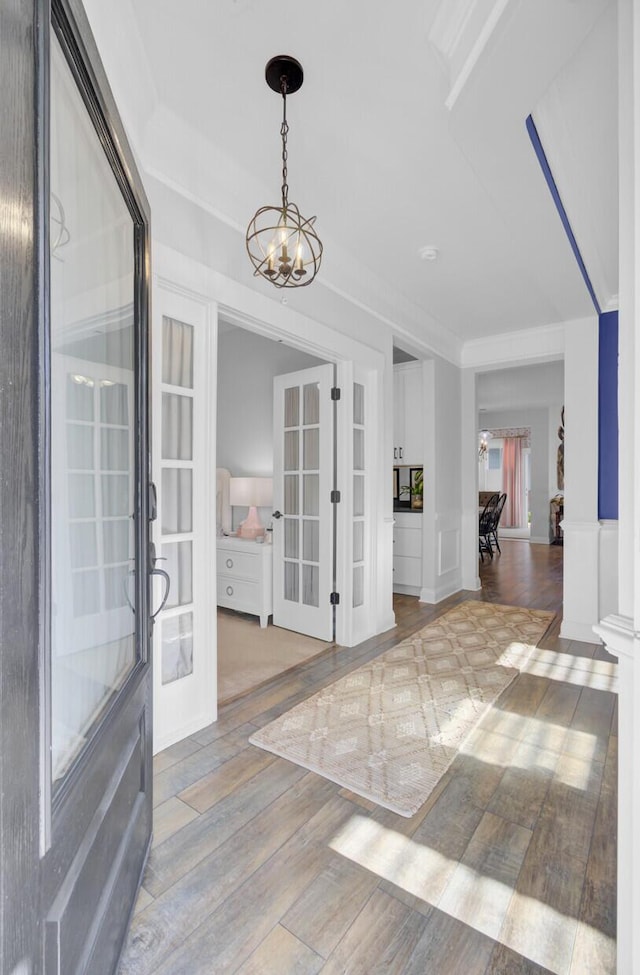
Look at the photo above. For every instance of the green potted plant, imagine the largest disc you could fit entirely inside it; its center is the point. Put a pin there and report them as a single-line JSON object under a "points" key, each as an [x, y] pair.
{"points": [[415, 489], [417, 485]]}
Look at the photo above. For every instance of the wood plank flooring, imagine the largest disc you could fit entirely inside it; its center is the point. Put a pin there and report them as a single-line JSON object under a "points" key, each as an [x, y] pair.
{"points": [[262, 868]]}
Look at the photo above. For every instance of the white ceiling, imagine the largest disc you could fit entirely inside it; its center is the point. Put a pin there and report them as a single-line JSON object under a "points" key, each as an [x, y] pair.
{"points": [[379, 157]]}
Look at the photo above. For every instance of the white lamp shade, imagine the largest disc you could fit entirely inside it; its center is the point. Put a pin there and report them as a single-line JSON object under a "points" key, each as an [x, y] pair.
{"points": [[245, 492]]}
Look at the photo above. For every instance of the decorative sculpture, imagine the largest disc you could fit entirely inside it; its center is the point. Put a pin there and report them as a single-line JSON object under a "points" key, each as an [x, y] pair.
{"points": [[560, 462]]}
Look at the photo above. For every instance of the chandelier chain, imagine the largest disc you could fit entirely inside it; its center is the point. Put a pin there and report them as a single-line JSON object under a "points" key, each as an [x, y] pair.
{"points": [[284, 131]]}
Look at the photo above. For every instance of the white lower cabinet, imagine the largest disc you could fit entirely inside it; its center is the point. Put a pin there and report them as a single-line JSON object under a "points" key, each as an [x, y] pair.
{"points": [[245, 577], [407, 553]]}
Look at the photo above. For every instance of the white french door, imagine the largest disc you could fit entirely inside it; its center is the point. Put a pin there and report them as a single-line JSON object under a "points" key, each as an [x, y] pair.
{"points": [[357, 453], [184, 642], [303, 525]]}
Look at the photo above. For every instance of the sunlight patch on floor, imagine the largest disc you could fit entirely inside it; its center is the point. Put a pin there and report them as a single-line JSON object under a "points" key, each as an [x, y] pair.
{"points": [[511, 740], [533, 929], [601, 675]]}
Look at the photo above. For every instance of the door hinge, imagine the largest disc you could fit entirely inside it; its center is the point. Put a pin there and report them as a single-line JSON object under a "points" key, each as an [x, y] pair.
{"points": [[335, 393], [334, 599], [335, 497]]}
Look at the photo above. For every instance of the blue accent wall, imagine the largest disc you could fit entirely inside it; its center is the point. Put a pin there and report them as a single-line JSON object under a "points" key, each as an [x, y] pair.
{"points": [[607, 357], [608, 415]]}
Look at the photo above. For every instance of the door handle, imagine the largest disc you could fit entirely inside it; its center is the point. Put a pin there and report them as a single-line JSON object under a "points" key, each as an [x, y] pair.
{"points": [[401, 450], [277, 514], [395, 453], [153, 560], [167, 589]]}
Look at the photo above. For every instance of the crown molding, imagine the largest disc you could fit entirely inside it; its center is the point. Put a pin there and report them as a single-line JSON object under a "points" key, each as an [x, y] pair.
{"points": [[542, 344], [460, 33]]}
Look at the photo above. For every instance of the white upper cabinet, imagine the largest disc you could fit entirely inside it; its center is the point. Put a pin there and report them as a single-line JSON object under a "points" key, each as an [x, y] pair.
{"points": [[408, 414]]}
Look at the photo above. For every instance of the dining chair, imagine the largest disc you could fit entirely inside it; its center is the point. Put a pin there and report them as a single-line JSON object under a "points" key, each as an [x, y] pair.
{"points": [[493, 534], [485, 526]]}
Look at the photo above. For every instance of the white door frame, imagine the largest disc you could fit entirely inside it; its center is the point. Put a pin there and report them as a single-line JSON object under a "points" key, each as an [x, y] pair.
{"points": [[267, 317], [354, 360]]}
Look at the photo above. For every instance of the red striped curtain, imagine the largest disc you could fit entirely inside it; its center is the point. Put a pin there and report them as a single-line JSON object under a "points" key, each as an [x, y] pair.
{"points": [[512, 514]]}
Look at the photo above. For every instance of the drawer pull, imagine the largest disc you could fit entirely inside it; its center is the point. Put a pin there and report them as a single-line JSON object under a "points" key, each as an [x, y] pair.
{"points": [[229, 590], [229, 563]]}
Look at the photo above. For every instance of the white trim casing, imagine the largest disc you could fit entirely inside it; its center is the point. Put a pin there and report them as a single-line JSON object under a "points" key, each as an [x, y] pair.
{"points": [[359, 622], [580, 526], [581, 595]]}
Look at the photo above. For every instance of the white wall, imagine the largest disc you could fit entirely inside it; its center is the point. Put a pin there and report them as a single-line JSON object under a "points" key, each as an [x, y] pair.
{"points": [[442, 513], [247, 364], [538, 422]]}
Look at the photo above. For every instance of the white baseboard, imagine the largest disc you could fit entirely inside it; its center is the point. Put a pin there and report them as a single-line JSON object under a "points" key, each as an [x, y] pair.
{"points": [[583, 632], [539, 540], [433, 596], [406, 590]]}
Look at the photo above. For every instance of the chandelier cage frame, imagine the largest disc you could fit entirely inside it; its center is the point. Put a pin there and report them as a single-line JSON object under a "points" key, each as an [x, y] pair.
{"points": [[282, 245]]}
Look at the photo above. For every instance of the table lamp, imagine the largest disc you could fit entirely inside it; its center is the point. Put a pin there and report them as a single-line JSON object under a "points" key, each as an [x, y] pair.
{"points": [[251, 493]]}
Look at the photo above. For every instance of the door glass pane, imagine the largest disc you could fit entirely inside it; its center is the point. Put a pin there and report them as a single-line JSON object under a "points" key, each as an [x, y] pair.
{"points": [[291, 505], [292, 406], [114, 403], [358, 404], [116, 541], [117, 585], [82, 538], [311, 449], [310, 585], [79, 398], [178, 564], [177, 427], [177, 500], [291, 538], [115, 495], [82, 502], [310, 540], [177, 647], [114, 449], [291, 582], [311, 403], [93, 645], [358, 541], [311, 496], [80, 446], [358, 494], [291, 450], [177, 353], [358, 450]]}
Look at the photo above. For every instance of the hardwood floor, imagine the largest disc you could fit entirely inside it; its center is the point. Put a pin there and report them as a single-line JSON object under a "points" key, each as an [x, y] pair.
{"points": [[261, 867]]}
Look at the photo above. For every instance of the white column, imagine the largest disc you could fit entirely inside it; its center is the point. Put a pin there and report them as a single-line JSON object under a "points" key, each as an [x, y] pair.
{"points": [[469, 467], [580, 526], [620, 631]]}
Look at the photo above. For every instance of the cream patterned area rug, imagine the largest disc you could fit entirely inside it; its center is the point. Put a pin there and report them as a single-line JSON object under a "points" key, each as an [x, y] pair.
{"points": [[390, 729]]}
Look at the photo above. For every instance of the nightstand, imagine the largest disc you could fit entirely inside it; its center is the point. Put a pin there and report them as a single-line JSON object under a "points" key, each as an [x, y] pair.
{"points": [[245, 576]]}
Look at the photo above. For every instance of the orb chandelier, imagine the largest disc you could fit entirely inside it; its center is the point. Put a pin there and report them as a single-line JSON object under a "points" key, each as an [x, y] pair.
{"points": [[282, 245], [483, 445]]}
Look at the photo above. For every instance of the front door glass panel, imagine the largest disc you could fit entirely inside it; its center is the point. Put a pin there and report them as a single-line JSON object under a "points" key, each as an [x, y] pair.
{"points": [[93, 426]]}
